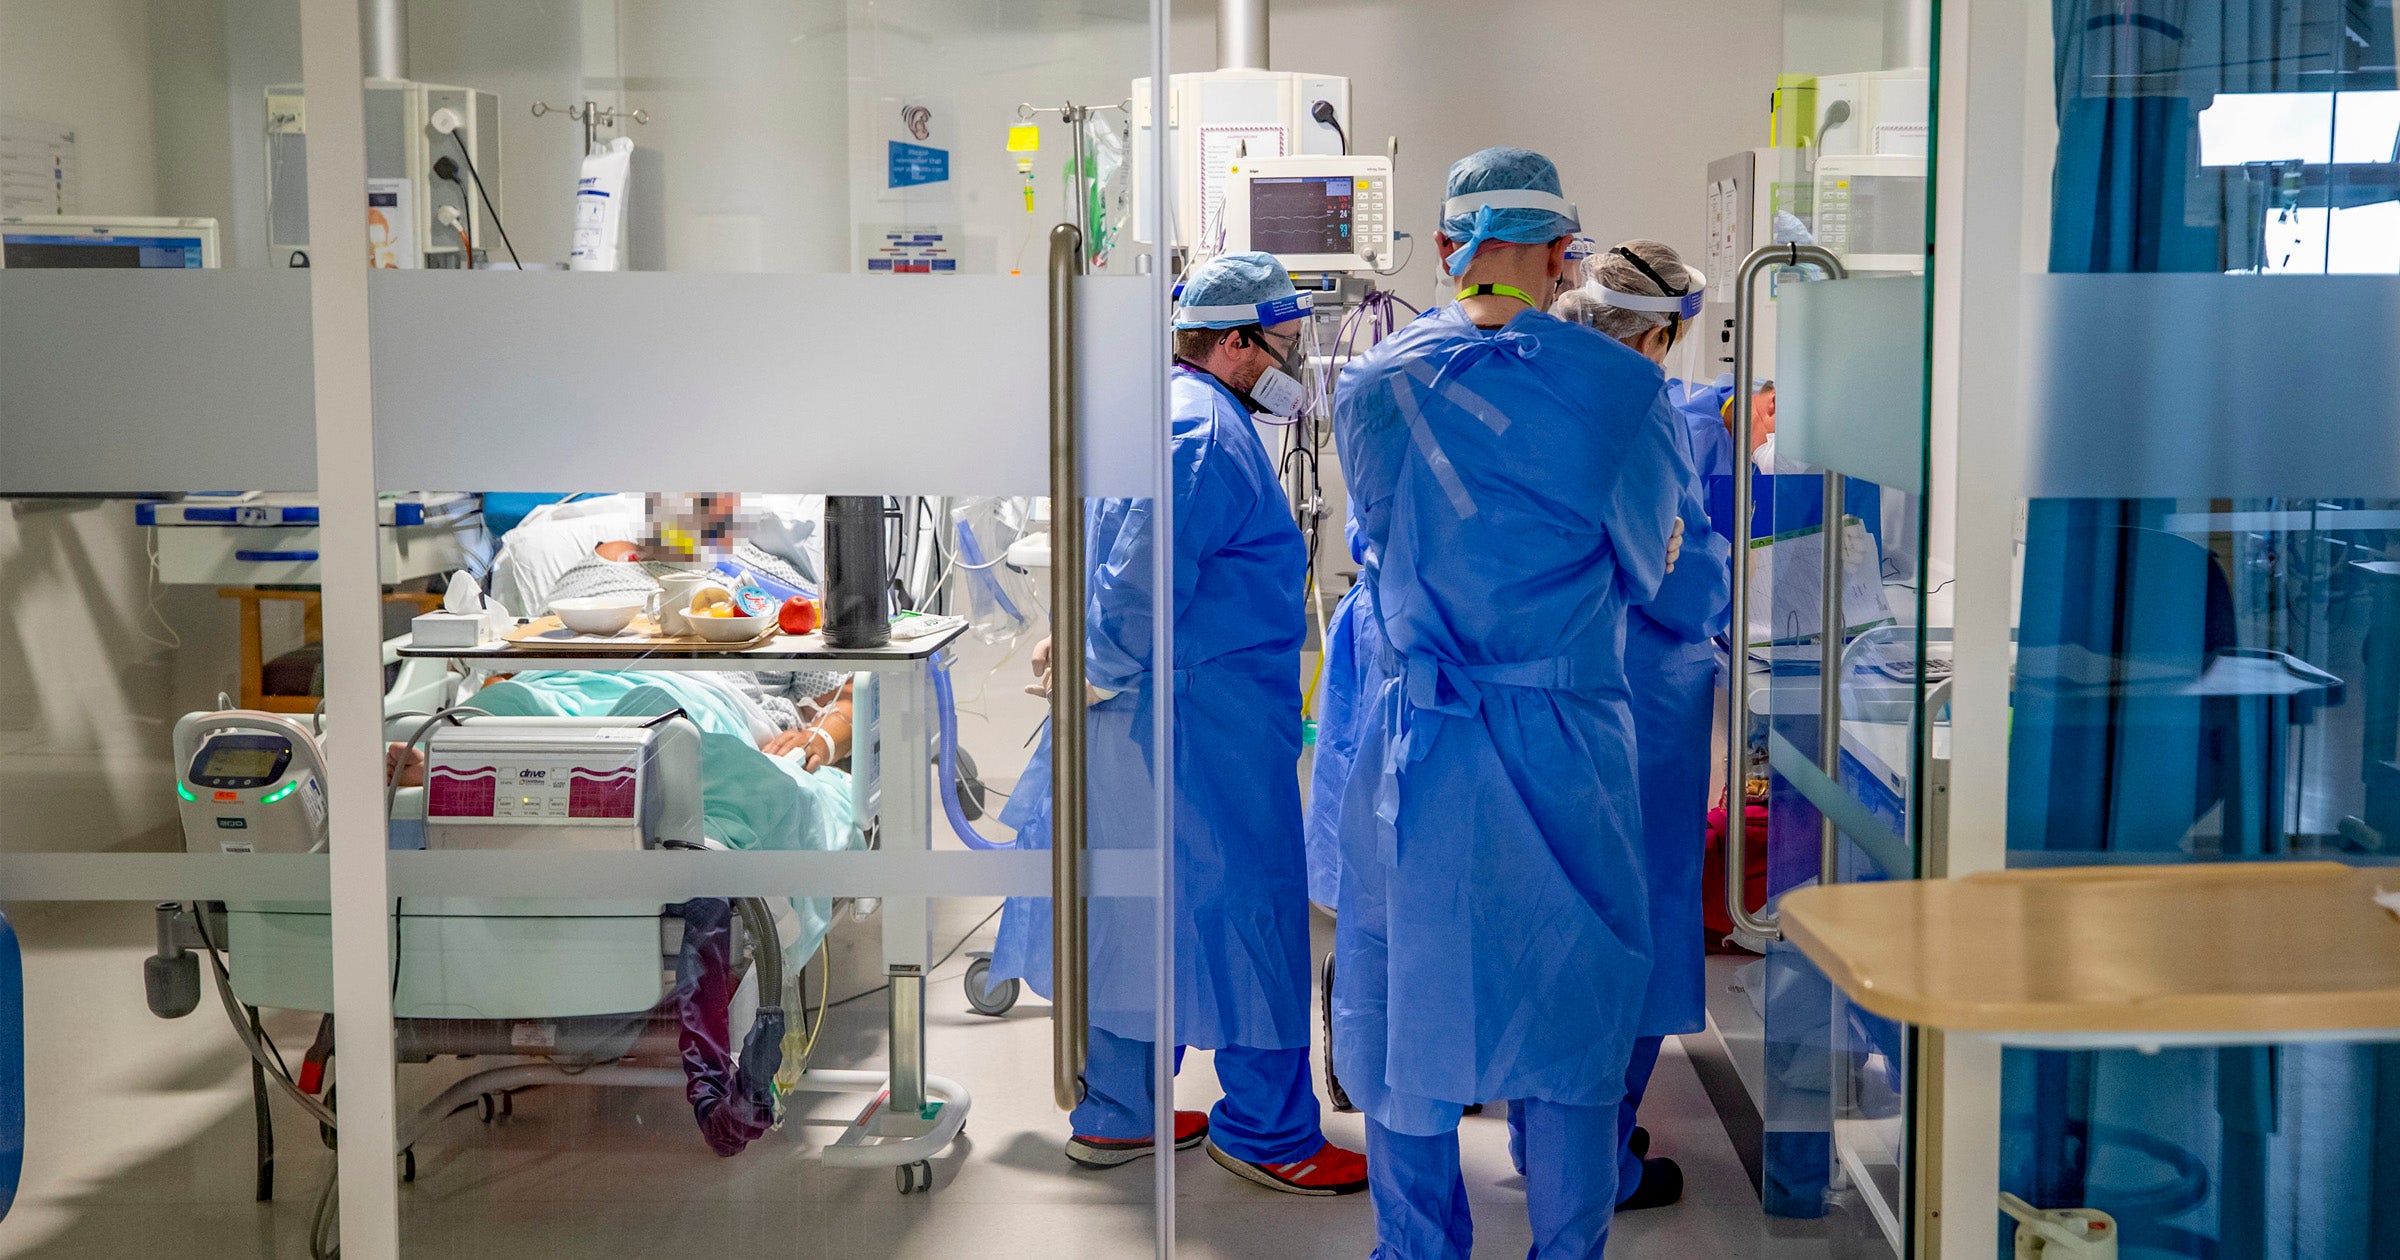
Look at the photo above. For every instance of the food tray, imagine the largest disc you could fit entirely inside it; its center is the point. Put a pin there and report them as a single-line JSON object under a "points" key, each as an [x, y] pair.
{"points": [[549, 635]]}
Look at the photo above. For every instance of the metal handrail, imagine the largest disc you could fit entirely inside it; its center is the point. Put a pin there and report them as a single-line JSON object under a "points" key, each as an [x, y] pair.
{"points": [[1070, 1032], [1760, 926]]}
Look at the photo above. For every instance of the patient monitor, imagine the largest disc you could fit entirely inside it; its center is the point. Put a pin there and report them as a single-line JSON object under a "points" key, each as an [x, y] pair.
{"points": [[1314, 213]]}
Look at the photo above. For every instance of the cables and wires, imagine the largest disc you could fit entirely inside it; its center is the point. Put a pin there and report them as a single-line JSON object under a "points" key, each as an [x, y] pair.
{"points": [[488, 207], [951, 953], [391, 792], [324, 1221], [1323, 112]]}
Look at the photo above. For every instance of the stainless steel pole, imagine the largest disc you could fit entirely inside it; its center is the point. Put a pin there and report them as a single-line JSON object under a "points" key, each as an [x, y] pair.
{"points": [[1070, 1032]]}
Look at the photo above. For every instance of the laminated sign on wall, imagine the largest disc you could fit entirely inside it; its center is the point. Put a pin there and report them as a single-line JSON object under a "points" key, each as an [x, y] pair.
{"points": [[901, 249], [916, 144]]}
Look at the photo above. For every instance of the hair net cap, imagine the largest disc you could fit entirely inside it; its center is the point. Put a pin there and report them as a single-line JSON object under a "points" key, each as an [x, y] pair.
{"points": [[1508, 195], [1237, 290]]}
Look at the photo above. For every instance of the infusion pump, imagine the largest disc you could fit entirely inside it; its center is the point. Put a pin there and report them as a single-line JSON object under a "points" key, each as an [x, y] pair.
{"points": [[1312, 213]]}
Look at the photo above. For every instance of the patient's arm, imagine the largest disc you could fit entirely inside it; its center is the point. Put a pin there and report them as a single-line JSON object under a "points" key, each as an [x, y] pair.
{"points": [[825, 741]]}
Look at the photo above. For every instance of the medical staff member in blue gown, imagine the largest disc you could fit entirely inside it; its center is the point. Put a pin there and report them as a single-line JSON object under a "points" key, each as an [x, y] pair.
{"points": [[1642, 294], [1520, 479], [1241, 893]]}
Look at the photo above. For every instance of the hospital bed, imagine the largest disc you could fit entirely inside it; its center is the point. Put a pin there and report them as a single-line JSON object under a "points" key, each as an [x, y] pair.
{"points": [[568, 990]]}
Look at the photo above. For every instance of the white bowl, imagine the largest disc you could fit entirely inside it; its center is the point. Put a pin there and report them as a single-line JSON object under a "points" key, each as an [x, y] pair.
{"points": [[605, 614], [727, 629]]}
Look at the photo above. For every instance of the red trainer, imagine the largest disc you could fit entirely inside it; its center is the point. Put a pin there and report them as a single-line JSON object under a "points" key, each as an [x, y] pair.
{"points": [[1329, 1172], [1191, 1128]]}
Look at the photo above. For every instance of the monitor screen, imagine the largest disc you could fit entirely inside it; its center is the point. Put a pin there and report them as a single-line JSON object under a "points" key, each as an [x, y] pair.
{"points": [[37, 249], [1304, 214], [1887, 214], [237, 762]]}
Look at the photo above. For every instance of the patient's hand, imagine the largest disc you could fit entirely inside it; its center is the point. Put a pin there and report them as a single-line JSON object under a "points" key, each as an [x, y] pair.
{"points": [[403, 765], [618, 551], [783, 743]]}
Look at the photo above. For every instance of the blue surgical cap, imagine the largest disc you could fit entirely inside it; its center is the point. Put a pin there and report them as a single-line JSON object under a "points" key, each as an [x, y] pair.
{"points": [[1503, 194], [1237, 290]]}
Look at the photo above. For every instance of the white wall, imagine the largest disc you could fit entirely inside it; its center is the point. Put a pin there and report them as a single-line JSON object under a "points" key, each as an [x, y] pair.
{"points": [[86, 64], [1632, 99], [87, 685]]}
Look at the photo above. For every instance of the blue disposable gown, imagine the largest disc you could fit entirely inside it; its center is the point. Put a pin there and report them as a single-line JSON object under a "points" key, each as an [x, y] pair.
{"points": [[1241, 892], [1672, 665], [1518, 487], [1354, 662]]}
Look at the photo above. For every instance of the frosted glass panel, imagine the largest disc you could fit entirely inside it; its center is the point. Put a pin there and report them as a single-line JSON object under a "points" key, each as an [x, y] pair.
{"points": [[110, 381], [2197, 385], [1851, 378], [843, 383]]}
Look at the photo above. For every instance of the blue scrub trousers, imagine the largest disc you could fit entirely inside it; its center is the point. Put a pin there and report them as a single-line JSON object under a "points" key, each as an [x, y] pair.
{"points": [[1421, 1197], [1637, 1083], [1268, 1115]]}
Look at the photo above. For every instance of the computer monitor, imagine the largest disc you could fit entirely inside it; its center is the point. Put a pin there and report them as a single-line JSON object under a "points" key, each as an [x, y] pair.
{"points": [[123, 242], [1314, 212]]}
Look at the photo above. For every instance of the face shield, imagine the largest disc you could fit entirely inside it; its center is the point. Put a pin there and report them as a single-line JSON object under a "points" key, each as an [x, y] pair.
{"points": [[1295, 385], [1680, 303]]}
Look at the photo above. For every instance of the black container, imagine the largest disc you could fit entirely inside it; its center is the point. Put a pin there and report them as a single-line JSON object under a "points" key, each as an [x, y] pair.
{"points": [[858, 583]]}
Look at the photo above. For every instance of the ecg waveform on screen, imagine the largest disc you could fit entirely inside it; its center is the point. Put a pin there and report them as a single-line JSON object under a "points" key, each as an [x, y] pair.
{"points": [[1300, 216]]}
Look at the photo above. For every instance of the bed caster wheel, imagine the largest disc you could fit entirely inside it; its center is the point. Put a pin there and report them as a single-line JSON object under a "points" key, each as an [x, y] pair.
{"points": [[985, 997], [916, 1178], [408, 1165]]}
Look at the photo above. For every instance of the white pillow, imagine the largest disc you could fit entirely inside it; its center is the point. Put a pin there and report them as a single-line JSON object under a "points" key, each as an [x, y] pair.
{"points": [[789, 526], [556, 537]]}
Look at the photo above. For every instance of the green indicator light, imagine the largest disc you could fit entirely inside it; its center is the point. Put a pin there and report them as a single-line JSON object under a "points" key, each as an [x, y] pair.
{"points": [[279, 793], [184, 792]]}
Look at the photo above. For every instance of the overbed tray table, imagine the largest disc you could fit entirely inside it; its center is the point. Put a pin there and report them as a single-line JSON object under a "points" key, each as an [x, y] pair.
{"points": [[2088, 958]]}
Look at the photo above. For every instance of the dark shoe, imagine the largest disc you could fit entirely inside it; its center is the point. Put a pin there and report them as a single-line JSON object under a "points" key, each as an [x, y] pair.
{"points": [[1662, 1184], [1638, 1142], [1191, 1128], [1330, 1171]]}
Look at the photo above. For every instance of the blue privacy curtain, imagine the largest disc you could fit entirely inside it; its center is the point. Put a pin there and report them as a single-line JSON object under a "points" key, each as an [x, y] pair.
{"points": [[2124, 745]]}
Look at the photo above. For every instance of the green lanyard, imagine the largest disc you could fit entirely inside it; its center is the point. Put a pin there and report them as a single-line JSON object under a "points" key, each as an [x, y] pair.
{"points": [[1498, 290]]}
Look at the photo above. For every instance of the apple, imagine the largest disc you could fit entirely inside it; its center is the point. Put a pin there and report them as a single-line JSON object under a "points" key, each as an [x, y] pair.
{"points": [[797, 616]]}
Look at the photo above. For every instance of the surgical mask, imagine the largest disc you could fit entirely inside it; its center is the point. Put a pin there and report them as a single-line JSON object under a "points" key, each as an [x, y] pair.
{"points": [[1278, 394], [1279, 391]]}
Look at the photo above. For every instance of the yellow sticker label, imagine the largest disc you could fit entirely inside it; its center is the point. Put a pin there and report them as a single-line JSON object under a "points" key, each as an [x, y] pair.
{"points": [[1025, 139]]}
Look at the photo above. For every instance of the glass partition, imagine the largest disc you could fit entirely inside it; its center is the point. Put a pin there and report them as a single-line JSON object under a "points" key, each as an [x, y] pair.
{"points": [[740, 324], [163, 792], [730, 335], [2201, 669], [1844, 631]]}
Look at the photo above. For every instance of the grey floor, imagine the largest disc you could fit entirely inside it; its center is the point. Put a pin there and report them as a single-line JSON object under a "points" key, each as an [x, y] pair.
{"points": [[140, 1143]]}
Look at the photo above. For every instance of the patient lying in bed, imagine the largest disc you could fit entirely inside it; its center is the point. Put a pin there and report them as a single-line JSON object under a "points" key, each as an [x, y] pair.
{"points": [[751, 798]]}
